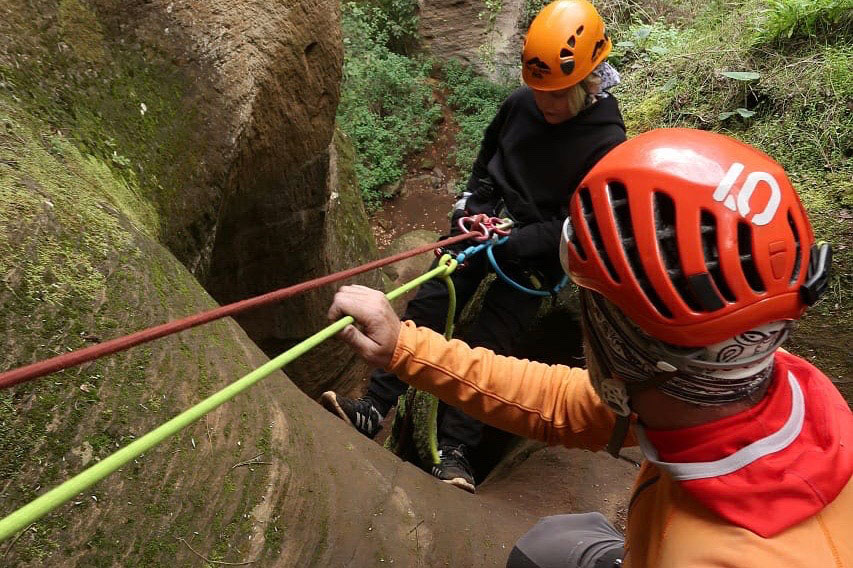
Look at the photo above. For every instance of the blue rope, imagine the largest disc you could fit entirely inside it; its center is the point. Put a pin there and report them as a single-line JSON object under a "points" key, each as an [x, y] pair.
{"points": [[560, 285], [472, 250]]}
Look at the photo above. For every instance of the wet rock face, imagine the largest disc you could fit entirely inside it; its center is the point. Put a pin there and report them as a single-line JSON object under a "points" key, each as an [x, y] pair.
{"points": [[258, 212], [288, 216], [263, 86], [468, 31], [218, 113], [219, 116], [452, 28]]}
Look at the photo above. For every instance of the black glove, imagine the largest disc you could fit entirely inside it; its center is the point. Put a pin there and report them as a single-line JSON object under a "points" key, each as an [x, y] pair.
{"points": [[534, 241], [535, 249]]}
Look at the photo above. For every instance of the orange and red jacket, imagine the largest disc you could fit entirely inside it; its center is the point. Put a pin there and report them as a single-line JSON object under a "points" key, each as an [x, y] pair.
{"points": [[768, 487]]}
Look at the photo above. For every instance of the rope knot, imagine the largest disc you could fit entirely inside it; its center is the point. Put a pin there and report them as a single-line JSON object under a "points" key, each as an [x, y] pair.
{"points": [[449, 263]]}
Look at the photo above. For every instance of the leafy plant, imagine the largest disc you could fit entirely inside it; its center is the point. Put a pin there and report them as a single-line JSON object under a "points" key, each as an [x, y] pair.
{"points": [[741, 75], [475, 101], [529, 11], [386, 108], [743, 112], [643, 43], [397, 21], [783, 20], [493, 8]]}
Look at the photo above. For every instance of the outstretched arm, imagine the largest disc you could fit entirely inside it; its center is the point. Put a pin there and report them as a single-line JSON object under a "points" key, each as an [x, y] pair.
{"points": [[553, 403]]}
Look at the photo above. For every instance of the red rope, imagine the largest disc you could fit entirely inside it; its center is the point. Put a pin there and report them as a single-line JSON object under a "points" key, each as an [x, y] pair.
{"points": [[72, 358]]}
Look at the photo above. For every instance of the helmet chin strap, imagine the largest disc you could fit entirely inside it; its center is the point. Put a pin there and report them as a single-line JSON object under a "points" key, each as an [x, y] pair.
{"points": [[615, 392], [623, 422]]}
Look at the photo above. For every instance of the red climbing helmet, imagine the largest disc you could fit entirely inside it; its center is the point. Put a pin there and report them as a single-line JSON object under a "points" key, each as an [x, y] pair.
{"points": [[695, 236], [565, 42]]}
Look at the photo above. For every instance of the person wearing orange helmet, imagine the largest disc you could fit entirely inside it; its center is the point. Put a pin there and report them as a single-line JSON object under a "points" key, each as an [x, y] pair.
{"points": [[544, 138], [694, 258]]}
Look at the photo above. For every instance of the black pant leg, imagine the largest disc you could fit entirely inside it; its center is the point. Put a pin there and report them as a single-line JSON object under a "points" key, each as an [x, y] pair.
{"points": [[505, 315]]}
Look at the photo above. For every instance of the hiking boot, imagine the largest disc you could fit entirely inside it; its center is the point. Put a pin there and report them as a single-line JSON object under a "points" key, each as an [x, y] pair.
{"points": [[453, 468], [361, 412]]}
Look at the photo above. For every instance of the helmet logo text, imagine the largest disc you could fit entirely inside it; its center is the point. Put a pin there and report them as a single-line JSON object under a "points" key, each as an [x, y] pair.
{"points": [[739, 201]]}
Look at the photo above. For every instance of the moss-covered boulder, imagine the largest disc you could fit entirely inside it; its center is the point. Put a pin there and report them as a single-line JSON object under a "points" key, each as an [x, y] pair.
{"points": [[218, 118]]}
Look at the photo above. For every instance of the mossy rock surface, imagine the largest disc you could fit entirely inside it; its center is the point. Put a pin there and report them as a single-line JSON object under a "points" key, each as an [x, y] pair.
{"points": [[86, 269]]}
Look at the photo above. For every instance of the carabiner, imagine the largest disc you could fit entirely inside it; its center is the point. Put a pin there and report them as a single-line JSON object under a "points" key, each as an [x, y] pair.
{"points": [[493, 225], [475, 220]]}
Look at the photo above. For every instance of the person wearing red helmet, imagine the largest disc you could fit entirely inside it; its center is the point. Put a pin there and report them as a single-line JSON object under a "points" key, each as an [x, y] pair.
{"points": [[694, 257], [544, 138]]}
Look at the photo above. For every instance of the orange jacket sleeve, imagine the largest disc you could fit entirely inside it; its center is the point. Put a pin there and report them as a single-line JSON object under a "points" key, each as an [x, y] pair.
{"points": [[552, 403]]}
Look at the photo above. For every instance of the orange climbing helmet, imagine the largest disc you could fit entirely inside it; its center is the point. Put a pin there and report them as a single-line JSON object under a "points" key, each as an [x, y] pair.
{"points": [[695, 236], [565, 42]]}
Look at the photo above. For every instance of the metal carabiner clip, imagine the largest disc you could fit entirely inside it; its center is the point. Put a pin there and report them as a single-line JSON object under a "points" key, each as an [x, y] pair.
{"points": [[479, 219], [497, 226]]}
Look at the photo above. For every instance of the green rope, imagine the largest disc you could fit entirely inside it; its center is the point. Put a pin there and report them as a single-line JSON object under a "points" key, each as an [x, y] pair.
{"points": [[66, 491], [432, 421], [451, 306]]}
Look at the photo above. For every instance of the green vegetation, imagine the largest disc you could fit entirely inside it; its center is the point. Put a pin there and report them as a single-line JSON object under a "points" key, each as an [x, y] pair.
{"points": [[490, 13], [783, 20], [777, 74], [528, 12], [122, 113], [386, 108], [475, 101]]}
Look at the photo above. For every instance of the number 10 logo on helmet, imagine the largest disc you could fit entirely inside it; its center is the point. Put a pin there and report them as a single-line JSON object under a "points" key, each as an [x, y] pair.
{"points": [[739, 201]]}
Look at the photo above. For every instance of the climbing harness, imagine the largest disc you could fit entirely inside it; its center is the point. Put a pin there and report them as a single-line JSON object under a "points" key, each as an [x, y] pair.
{"points": [[414, 431], [495, 231]]}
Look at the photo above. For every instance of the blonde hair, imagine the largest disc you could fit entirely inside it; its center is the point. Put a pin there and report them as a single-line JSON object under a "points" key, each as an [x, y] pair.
{"points": [[584, 93]]}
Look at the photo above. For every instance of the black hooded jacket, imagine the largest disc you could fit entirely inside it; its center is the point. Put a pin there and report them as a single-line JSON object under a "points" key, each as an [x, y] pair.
{"points": [[532, 168]]}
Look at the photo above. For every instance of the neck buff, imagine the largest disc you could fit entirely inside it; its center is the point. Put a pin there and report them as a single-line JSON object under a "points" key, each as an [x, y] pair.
{"points": [[609, 76], [632, 360]]}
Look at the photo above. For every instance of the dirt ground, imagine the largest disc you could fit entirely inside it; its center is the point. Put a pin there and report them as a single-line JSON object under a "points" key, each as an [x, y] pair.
{"points": [[426, 195]]}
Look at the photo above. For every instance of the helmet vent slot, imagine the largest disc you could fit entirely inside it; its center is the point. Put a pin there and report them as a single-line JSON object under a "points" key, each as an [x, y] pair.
{"points": [[668, 244], [798, 249], [579, 30], [708, 228], [622, 216], [571, 41], [747, 262], [565, 52], [597, 241], [599, 45]]}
